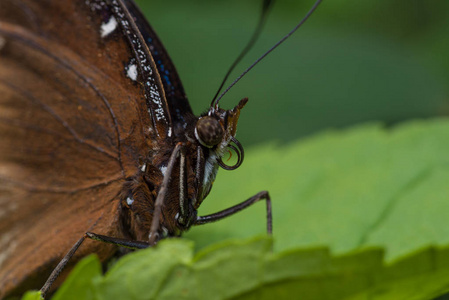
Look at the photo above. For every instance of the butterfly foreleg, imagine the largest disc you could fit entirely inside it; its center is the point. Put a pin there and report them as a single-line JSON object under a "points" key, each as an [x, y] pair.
{"points": [[236, 208], [162, 195], [97, 237]]}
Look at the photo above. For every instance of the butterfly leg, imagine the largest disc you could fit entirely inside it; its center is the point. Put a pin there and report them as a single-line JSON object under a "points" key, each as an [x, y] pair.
{"points": [[161, 196], [118, 242], [97, 237], [121, 242], [236, 208]]}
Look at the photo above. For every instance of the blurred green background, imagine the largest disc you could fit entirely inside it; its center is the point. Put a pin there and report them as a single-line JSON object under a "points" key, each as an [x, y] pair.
{"points": [[352, 62]]}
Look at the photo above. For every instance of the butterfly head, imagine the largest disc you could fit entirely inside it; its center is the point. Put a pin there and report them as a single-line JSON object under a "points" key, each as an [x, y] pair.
{"points": [[216, 130]]}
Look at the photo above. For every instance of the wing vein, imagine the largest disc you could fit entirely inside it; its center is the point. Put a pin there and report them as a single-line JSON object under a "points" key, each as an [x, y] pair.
{"points": [[56, 116], [34, 45], [31, 188]]}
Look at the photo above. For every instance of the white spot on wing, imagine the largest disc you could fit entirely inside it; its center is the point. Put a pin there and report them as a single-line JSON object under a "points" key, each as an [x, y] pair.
{"points": [[153, 95], [131, 72], [169, 131], [143, 167], [163, 170], [109, 27], [129, 201]]}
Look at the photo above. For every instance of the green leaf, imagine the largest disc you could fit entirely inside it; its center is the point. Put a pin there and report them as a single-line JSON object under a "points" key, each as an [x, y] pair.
{"points": [[142, 274], [32, 295], [249, 270], [366, 186], [81, 280], [358, 214]]}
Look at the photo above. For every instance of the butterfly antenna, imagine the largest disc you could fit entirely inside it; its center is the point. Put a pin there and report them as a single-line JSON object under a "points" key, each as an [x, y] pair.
{"points": [[263, 16], [314, 7]]}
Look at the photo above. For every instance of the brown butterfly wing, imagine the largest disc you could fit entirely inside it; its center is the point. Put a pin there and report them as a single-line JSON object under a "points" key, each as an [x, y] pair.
{"points": [[74, 124], [180, 110]]}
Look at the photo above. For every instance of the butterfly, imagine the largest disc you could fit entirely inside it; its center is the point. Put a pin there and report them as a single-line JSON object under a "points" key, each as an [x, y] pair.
{"points": [[97, 139]]}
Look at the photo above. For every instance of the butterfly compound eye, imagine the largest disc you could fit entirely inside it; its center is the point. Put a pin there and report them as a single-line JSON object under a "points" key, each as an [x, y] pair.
{"points": [[209, 131]]}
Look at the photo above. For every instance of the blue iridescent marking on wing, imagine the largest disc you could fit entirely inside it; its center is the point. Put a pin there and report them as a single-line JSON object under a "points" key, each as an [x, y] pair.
{"points": [[167, 79]]}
